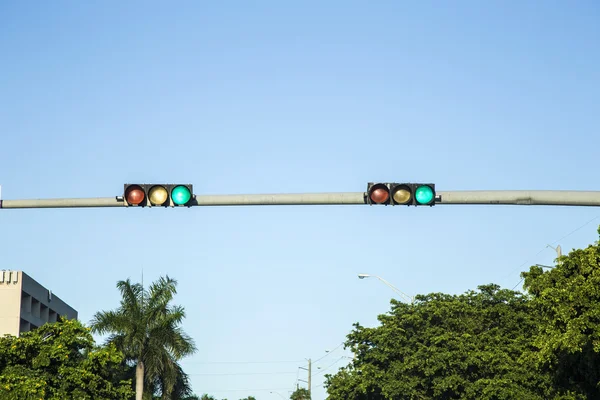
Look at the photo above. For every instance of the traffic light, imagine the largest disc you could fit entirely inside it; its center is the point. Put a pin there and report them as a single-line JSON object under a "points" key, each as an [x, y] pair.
{"points": [[410, 194], [157, 195]]}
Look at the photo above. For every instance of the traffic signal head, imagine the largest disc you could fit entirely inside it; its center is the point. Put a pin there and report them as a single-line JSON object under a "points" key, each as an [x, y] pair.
{"points": [[166, 195], [415, 194]]}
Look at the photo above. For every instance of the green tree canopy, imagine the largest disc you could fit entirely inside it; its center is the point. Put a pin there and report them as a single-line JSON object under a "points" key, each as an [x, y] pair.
{"points": [[300, 394], [209, 397], [567, 300], [472, 346], [486, 344], [146, 328], [60, 361]]}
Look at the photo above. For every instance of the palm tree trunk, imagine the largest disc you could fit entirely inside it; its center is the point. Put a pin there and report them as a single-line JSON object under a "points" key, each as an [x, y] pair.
{"points": [[139, 380]]}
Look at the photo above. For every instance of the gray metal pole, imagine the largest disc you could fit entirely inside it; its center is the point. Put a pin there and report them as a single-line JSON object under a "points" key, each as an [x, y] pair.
{"points": [[281, 199], [63, 203], [522, 197], [309, 376], [395, 289], [485, 197]]}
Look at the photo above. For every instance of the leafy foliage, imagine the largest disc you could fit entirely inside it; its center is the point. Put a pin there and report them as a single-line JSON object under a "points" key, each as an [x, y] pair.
{"points": [[473, 346], [566, 299], [181, 390], [146, 328], [59, 361], [300, 394], [486, 344], [208, 397]]}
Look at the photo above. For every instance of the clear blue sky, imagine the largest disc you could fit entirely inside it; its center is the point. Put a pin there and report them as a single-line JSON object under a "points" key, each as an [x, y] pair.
{"points": [[270, 96]]}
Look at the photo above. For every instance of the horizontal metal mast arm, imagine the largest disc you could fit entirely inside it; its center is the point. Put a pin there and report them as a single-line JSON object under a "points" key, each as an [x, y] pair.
{"points": [[63, 203], [281, 199], [521, 197], [485, 197]]}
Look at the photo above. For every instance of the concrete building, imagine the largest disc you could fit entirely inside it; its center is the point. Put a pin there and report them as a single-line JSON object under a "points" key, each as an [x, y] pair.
{"points": [[26, 305]]}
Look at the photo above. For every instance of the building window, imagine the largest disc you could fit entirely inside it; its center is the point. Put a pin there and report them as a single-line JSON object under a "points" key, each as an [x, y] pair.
{"points": [[52, 316], [25, 303], [44, 314], [24, 326], [35, 307]]}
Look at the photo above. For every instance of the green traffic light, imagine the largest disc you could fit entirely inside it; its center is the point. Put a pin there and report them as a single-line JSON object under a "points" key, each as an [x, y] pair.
{"points": [[424, 194], [181, 195]]}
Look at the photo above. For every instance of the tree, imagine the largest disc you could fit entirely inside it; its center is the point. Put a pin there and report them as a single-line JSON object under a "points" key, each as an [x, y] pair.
{"points": [[472, 346], [146, 328], [486, 344], [566, 298], [208, 397], [181, 390], [300, 394], [60, 361]]}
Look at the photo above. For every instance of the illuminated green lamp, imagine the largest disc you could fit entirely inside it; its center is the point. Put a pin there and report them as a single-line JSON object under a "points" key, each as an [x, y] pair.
{"points": [[181, 195], [424, 194]]}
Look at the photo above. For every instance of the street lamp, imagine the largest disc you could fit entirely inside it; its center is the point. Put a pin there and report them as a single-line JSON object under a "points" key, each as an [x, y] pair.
{"points": [[394, 288]]}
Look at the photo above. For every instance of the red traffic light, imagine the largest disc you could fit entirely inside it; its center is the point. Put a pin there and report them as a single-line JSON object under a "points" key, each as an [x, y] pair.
{"points": [[379, 193], [135, 195]]}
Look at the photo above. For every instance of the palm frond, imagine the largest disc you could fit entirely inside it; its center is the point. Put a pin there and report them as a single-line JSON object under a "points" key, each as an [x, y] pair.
{"points": [[147, 327]]}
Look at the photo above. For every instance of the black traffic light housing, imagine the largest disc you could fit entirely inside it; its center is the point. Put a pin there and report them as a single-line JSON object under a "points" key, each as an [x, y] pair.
{"points": [[158, 195], [394, 193]]}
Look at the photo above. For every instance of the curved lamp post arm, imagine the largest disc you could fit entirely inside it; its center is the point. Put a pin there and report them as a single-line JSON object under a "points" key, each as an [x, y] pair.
{"points": [[394, 288]]}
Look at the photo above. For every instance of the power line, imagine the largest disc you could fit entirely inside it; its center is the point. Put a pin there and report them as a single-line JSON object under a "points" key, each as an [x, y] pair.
{"points": [[328, 353], [297, 376], [331, 365], [556, 241], [581, 227], [244, 362], [243, 373], [243, 390]]}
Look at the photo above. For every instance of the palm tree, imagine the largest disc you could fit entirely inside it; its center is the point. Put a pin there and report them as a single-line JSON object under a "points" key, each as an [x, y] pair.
{"points": [[181, 390], [146, 329]]}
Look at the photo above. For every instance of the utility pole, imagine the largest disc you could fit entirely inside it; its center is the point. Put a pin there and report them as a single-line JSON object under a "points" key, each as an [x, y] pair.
{"points": [[481, 197], [309, 369], [309, 376]]}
